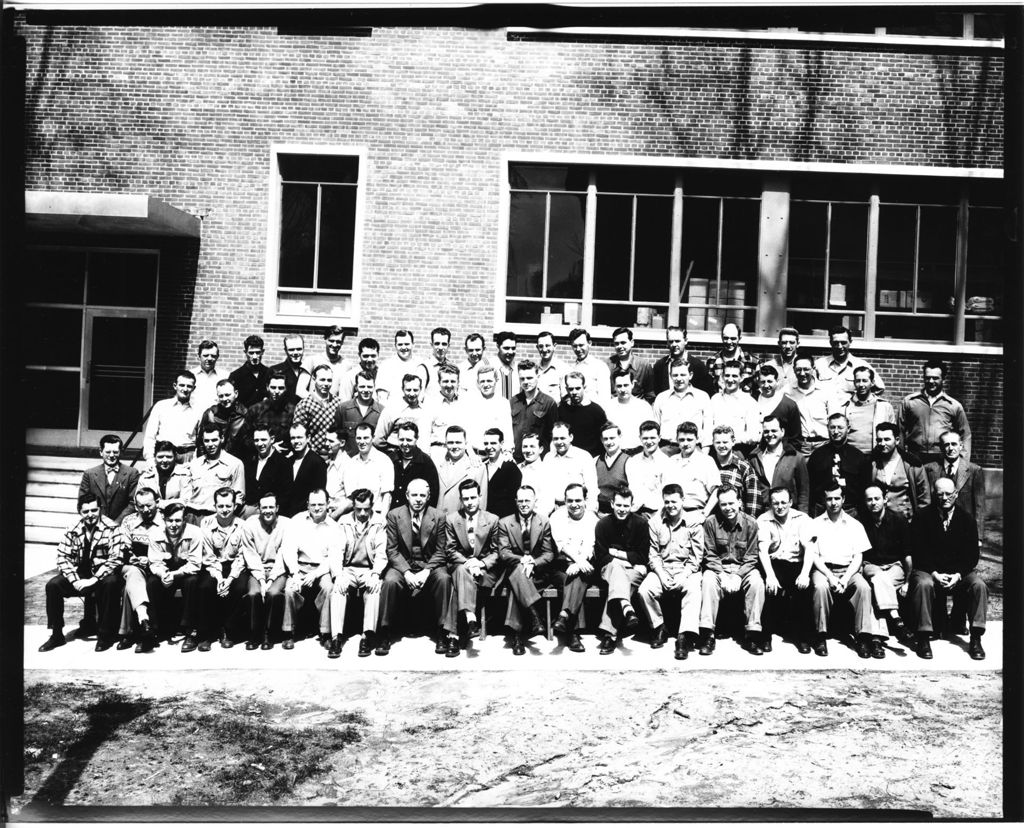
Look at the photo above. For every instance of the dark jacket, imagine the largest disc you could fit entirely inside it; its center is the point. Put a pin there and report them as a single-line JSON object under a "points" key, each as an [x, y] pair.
{"points": [[938, 550], [790, 471], [116, 500], [631, 535], [890, 540], [854, 468], [407, 552], [251, 389], [312, 475], [502, 488], [421, 467], [276, 478], [701, 377]]}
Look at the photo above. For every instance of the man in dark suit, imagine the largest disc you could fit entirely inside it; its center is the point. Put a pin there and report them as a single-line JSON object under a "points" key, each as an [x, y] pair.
{"points": [[265, 471], [776, 463], [416, 567], [526, 549], [968, 477], [471, 550], [838, 460], [503, 476], [675, 340], [308, 472], [250, 379], [945, 543], [111, 482]]}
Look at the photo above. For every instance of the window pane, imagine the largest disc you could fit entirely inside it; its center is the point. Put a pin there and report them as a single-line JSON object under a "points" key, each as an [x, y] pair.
{"points": [[314, 304], [984, 330], [52, 398], [542, 177], [817, 323], [54, 276], [808, 228], [700, 252], [653, 255], [926, 328], [337, 237], [635, 180], [612, 246], [721, 183], [59, 336], [541, 312], [936, 259], [117, 373], [333, 169], [631, 315], [940, 24], [988, 26], [298, 234], [526, 244], [847, 255], [897, 230], [740, 230], [565, 246], [986, 260], [125, 279]]}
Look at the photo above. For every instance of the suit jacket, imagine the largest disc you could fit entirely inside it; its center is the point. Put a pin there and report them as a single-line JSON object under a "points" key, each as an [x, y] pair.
{"points": [[854, 466], [701, 377], [513, 547], [790, 471], [502, 488], [408, 553], [116, 500], [457, 547], [939, 550], [917, 480], [276, 478], [312, 474], [450, 476], [970, 488]]}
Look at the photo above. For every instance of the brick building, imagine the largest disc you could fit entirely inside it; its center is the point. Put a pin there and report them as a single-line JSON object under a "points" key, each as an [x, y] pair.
{"points": [[278, 174]]}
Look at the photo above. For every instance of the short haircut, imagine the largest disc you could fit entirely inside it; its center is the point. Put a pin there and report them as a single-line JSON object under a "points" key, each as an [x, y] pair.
{"points": [[466, 485], [530, 435], [284, 341], [834, 485], [495, 432], [323, 366], [410, 378], [186, 375], [623, 491], [769, 417], [277, 374], [362, 375], [448, 368], [576, 375], [208, 428], [316, 492], [768, 370], [253, 341], [206, 344], [625, 331], [90, 497], [294, 426], [789, 332], [861, 368], [575, 333], [876, 484], [334, 330], [455, 429], [609, 424], [527, 365], [172, 508], [487, 369], [224, 491], [108, 439], [838, 416], [648, 425], [474, 336], [724, 429], [562, 424], [408, 425], [363, 427], [777, 489], [503, 336], [951, 432], [732, 363], [443, 331], [576, 485], [368, 343], [839, 330], [622, 372], [543, 334], [266, 494], [527, 487], [164, 445], [145, 491], [687, 427], [888, 427], [935, 363], [803, 358], [671, 489], [728, 488], [675, 329], [361, 496], [403, 332], [223, 382]]}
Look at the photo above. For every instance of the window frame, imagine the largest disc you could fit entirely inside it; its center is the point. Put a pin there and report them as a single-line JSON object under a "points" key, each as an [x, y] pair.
{"points": [[272, 288]]}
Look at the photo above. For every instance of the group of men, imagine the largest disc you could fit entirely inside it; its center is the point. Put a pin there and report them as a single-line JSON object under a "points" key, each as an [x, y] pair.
{"points": [[790, 482]]}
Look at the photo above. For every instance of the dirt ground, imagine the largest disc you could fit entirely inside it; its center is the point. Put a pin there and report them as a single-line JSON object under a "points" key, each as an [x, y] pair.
{"points": [[829, 739]]}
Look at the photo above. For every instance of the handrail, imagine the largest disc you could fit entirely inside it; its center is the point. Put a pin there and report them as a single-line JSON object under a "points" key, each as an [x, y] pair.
{"points": [[138, 428]]}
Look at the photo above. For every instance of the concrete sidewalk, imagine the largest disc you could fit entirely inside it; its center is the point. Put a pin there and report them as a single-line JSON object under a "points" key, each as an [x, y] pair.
{"points": [[417, 655]]}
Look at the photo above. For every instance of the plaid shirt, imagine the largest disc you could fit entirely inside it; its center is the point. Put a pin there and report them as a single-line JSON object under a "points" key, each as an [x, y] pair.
{"points": [[317, 415], [108, 547], [737, 472]]}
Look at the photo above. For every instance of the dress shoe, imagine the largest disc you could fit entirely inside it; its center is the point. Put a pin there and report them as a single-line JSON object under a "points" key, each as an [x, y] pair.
{"points": [[754, 646], [877, 650], [534, 626], [707, 643], [682, 647], [898, 629], [658, 637], [205, 645], [324, 640], [630, 621], [518, 646], [189, 644], [441, 646], [863, 647], [86, 631], [975, 650], [766, 643], [473, 628], [365, 646], [561, 625], [334, 648], [383, 645], [924, 648], [123, 643], [452, 649], [145, 645], [607, 645], [252, 645], [820, 646], [267, 643], [103, 644], [288, 643], [226, 642], [803, 647], [576, 643]]}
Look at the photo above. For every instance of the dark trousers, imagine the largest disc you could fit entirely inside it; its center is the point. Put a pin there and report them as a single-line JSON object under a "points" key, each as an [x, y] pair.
{"points": [[264, 612], [924, 590], [466, 587], [107, 595], [789, 610], [216, 611], [437, 590], [524, 592], [162, 601]]}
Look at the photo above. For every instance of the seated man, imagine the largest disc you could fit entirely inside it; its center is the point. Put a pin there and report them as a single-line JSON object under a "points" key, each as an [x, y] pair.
{"points": [[730, 566], [840, 543], [363, 561], [471, 550], [782, 536], [221, 585], [111, 482], [264, 536], [527, 551], [886, 565], [415, 548], [945, 543], [135, 572], [175, 558], [572, 530], [622, 544], [677, 550], [88, 557]]}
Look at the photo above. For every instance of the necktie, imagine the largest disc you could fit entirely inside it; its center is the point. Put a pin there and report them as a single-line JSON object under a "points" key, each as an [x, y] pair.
{"points": [[415, 527], [471, 531], [526, 532], [949, 469], [85, 564]]}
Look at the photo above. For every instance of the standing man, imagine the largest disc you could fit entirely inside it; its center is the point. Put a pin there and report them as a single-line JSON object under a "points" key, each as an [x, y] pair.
{"points": [[736, 408], [734, 470], [696, 474], [627, 411], [369, 352], [265, 536], [451, 408], [503, 475], [416, 554], [393, 370], [838, 368], [471, 550], [864, 410], [486, 410], [594, 371], [675, 341], [968, 477], [622, 359], [361, 409], [250, 378], [840, 546], [572, 530], [275, 412], [648, 472], [771, 401], [334, 339], [364, 557], [567, 464], [412, 463], [210, 471], [775, 464], [369, 469], [610, 467], [440, 342], [677, 550], [683, 403], [267, 470], [838, 460], [407, 408], [550, 371], [622, 545], [899, 475], [816, 403], [207, 375], [88, 560], [475, 360], [508, 382], [174, 420], [531, 409], [584, 416], [535, 475], [318, 411], [945, 562], [785, 360], [296, 376], [228, 416], [112, 483], [308, 472], [926, 414], [458, 465]]}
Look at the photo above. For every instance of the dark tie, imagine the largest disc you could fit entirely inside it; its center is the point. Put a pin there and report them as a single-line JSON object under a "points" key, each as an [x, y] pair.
{"points": [[526, 532], [85, 564], [949, 469], [471, 531], [415, 527]]}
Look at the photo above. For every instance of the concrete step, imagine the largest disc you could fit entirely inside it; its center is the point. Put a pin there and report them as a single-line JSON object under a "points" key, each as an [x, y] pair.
{"points": [[66, 476], [43, 534], [61, 491], [51, 504], [48, 461], [58, 519]]}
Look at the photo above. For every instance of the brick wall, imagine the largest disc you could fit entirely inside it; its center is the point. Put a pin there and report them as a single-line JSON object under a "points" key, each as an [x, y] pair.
{"points": [[187, 114]]}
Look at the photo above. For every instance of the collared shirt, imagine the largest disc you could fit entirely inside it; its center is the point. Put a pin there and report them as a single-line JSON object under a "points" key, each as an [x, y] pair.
{"points": [[467, 376], [174, 421], [391, 372], [263, 547], [347, 474], [642, 372], [387, 435], [316, 547], [692, 405], [507, 385], [184, 555], [339, 369], [787, 374], [297, 379], [841, 376], [538, 415], [575, 466], [347, 389], [679, 548], [838, 541], [205, 394], [595, 372], [922, 419], [738, 473], [574, 539], [221, 544], [317, 415], [815, 404], [535, 474], [646, 477], [176, 486], [550, 378], [105, 550], [770, 459], [730, 548], [698, 475], [863, 417], [628, 417], [784, 541], [444, 413], [433, 390], [210, 475], [739, 411], [483, 414], [365, 543]]}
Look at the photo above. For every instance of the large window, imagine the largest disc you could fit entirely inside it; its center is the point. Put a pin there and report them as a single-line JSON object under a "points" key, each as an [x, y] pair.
{"points": [[892, 257], [313, 247]]}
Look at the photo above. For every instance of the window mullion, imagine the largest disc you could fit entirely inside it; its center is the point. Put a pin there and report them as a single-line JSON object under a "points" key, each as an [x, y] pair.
{"points": [[589, 241], [316, 237], [718, 258], [960, 272], [871, 272], [547, 244], [917, 259], [632, 246], [828, 254], [675, 288]]}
